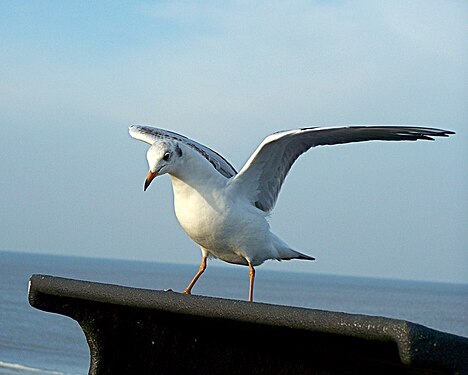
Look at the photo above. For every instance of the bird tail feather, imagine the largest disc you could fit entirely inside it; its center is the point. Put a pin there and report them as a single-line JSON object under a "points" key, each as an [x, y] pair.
{"points": [[293, 254], [285, 252]]}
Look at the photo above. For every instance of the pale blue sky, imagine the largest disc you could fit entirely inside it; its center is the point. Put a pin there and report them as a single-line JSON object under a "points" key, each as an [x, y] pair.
{"points": [[74, 75]]}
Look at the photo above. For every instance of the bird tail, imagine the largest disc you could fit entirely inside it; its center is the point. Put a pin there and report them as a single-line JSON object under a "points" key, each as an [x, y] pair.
{"points": [[305, 257], [293, 254], [286, 253]]}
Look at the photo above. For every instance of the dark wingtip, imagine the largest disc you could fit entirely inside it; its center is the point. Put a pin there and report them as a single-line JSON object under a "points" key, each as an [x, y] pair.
{"points": [[430, 134]]}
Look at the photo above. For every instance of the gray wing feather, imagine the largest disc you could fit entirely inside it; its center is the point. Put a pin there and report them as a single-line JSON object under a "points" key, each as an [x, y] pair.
{"points": [[262, 176], [150, 135]]}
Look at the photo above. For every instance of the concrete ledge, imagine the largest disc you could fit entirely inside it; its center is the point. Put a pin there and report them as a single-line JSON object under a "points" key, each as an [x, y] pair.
{"points": [[139, 331]]}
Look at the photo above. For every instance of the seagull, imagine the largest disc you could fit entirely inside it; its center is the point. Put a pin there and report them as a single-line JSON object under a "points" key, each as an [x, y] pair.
{"points": [[225, 212]]}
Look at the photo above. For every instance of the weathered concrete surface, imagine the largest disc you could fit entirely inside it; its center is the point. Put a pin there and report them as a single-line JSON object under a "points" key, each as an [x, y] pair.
{"points": [[138, 331]]}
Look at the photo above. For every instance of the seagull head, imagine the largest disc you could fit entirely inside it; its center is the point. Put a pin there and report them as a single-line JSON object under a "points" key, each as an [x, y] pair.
{"points": [[162, 157]]}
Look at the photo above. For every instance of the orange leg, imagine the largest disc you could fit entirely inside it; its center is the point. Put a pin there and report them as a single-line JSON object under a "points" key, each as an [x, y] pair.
{"points": [[252, 279], [202, 269]]}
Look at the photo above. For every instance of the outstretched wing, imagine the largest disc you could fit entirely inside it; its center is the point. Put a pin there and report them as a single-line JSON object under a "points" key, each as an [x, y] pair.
{"points": [[150, 135], [261, 178]]}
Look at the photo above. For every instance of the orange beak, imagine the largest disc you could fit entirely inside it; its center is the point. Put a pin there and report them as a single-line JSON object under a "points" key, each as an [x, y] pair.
{"points": [[149, 178]]}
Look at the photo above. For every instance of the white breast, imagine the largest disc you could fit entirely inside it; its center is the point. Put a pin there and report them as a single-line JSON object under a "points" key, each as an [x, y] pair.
{"points": [[226, 225], [200, 213], [218, 225]]}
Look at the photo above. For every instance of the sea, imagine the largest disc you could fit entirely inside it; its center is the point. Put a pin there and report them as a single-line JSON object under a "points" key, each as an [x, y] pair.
{"points": [[34, 342]]}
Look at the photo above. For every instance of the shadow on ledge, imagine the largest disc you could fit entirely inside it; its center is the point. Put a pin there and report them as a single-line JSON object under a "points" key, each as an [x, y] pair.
{"points": [[139, 331]]}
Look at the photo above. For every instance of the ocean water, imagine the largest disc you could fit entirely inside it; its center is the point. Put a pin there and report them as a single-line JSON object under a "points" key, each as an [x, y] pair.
{"points": [[33, 342]]}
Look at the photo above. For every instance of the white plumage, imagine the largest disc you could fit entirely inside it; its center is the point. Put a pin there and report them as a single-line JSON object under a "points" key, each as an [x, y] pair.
{"points": [[225, 211]]}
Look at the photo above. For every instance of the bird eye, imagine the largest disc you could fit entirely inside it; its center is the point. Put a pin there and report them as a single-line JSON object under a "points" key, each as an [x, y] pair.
{"points": [[166, 156]]}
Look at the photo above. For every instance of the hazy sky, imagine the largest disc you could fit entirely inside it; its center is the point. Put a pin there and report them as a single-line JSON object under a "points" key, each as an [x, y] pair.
{"points": [[75, 75]]}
